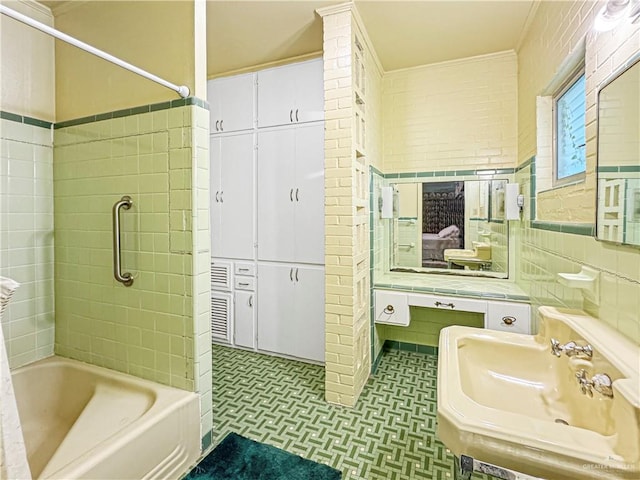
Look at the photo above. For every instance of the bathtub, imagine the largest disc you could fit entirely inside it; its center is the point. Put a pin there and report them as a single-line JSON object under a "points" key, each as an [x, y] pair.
{"points": [[82, 421]]}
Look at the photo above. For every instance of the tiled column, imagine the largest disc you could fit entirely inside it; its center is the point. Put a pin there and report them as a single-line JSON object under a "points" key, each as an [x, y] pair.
{"points": [[346, 258]]}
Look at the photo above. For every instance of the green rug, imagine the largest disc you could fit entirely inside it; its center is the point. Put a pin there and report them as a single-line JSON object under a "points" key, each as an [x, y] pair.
{"points": [[239, 458]]}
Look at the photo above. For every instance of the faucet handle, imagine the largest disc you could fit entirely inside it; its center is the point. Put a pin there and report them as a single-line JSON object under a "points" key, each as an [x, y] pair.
{"points": [[556, 348], [585, 384], [602, 384]]}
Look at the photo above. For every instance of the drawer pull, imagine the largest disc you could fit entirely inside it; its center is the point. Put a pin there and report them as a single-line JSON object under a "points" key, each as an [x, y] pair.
{"points": [[508, 320], [440, 304], [242, 284], [243, 269], [389, 310]]}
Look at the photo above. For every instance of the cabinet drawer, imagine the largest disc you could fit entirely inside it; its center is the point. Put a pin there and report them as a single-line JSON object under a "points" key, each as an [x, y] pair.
{"points": [[508, 317], [244, 283], [391, 308], [448, 303], [248, 269]]}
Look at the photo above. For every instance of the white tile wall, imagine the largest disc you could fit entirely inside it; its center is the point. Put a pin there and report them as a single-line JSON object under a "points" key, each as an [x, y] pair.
{"points": [[26, 239]]}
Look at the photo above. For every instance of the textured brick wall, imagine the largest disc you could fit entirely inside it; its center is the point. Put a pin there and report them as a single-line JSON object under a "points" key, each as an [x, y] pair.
{"points": [[451, 116]]}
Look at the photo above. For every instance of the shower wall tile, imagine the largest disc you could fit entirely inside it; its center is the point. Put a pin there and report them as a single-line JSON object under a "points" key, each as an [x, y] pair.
{"points": [[147, 329], [26, 236]]}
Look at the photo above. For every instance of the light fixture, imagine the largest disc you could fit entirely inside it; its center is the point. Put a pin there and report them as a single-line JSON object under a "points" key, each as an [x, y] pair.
{"points": [[611, 14]]}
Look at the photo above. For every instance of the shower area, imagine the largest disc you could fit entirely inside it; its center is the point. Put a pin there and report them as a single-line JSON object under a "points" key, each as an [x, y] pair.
{"points": [[78, 134]]}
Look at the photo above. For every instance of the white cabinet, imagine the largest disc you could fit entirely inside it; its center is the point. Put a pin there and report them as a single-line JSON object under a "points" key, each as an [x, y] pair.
{"points": [[231, 103], [232, 196], [291, 94], [244, 319], [291, 314], [508, 317], [291, 194]]}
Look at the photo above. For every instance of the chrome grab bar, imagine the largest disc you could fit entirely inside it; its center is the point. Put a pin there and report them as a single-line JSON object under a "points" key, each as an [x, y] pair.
{"points": [[125, 278]]}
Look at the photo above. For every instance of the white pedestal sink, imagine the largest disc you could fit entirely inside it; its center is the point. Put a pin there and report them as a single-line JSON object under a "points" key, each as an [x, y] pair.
{"points": [[505, 399]]}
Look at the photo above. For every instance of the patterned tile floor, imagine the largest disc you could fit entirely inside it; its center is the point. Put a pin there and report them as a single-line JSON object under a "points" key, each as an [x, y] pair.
{"points": [[390, 434]]}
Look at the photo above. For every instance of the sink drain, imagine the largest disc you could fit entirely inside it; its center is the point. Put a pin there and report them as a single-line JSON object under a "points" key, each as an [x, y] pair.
{"points": [[561, 421]]}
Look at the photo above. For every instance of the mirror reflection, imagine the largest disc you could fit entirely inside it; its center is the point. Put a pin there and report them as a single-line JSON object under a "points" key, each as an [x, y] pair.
{"points": [[618, 211], [450, 227]]}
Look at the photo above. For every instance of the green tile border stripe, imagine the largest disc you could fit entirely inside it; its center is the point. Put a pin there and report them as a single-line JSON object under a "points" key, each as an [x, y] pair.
{"points": [[24, 119], [620, 169], [181, 102], [409, 347], [587, 229], [444, 173]]}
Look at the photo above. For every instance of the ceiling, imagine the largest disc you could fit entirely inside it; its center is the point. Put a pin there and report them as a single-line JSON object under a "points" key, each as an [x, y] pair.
{"points": [[243, 34]]}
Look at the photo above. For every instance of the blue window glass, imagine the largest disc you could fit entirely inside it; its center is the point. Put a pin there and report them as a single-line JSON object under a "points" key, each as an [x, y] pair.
{"points": [[570, 131]]}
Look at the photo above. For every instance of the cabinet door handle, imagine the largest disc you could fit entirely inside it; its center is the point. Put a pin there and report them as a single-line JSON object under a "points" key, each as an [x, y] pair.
{"points": [[291, 274], [297, 115], [296, 274], [297, 199], [217, 199], [509, 320], [290, 116], [291, 194], [217, 122], [221, 128], [440, 304], [251, 301], [221, 197]]}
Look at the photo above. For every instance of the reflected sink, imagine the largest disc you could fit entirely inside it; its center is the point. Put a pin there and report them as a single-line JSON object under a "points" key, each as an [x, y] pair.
{"points": [[504, 399]]}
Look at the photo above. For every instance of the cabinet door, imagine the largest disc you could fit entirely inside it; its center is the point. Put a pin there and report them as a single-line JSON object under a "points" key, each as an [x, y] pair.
{"points": [[307, 323], [231, 103], [309, 194], [276, 188], [214, 98], [276, 91], [276, 309], [244, 314], [215, 210], [309, 92], [237, 197]]}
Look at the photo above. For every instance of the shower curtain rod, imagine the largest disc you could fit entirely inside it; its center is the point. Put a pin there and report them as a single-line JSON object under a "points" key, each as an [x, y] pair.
{"points": [[182, 90]]}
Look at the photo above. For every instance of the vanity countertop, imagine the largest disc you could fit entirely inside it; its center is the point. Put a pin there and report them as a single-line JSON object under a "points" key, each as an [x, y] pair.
{"points": [[486, 288]]}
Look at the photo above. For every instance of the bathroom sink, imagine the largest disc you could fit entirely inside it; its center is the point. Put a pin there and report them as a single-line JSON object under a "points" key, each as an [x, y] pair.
{"points": [[504, 399]]}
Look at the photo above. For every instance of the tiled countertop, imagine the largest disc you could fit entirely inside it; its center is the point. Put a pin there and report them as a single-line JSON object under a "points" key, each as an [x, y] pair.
{"points": [[487, 288]]}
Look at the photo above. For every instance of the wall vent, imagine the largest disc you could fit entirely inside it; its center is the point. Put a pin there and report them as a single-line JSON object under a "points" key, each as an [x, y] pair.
{"points": [[220, 316], [220, 275]]}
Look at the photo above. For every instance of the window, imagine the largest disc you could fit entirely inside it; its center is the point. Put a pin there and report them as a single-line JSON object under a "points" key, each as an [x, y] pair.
{"points": [[569, 104]]}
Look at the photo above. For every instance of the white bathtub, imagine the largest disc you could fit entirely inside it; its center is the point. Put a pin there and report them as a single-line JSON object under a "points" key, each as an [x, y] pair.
{"points": [[81, 421]]}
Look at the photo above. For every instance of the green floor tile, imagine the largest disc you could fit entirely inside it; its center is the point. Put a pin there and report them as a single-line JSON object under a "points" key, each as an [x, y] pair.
{"points": [[389, 435]]}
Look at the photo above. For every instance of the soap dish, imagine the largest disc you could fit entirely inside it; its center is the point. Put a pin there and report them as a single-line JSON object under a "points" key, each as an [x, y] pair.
{"points": [[588, 280]]}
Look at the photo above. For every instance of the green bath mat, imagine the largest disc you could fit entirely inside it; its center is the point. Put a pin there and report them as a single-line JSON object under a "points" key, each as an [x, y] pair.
{"points": [[238, 458]]}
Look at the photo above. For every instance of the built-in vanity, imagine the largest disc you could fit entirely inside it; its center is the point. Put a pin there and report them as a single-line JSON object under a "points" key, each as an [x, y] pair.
{"points": [[440, 241]]}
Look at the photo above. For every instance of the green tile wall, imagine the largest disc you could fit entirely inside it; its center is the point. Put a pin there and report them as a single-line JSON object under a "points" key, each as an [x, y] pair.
{"points": [[543, 252], [147, 329], [425, 326]]}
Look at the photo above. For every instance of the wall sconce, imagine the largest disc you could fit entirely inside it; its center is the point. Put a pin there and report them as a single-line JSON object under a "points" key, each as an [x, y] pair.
{"points": [[614, 11]]}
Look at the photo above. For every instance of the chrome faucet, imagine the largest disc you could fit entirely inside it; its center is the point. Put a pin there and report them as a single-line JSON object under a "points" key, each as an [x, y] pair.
{"points": [[571, 349], [600, 382]]}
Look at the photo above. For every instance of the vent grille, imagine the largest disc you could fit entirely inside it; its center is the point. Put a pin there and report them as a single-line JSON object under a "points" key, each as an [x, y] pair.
{"points": [[220, 317], [220, 275]]}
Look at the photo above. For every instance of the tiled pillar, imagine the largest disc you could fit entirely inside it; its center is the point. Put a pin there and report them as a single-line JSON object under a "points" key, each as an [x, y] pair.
{"points": [[346, 254]]}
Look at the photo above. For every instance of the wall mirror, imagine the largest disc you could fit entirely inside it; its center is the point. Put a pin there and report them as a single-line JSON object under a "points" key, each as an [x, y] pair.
{"points": [[618, 206], [454, 227]]}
